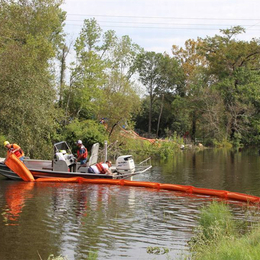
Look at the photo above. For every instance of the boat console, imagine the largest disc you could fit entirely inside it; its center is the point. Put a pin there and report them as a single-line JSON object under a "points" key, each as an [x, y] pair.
{"points": [[63, 158]]}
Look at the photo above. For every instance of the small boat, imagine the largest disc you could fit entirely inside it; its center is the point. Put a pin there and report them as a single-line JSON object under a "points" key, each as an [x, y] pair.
{"points": [[64, 165]]}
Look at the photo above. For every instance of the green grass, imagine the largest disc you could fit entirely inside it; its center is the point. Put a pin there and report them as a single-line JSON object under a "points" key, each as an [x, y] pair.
{"points": [[237, 248], [219, 236]]}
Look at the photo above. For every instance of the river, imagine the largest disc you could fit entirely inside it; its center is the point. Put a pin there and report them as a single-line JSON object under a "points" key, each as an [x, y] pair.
{"points": [[117, 222]]}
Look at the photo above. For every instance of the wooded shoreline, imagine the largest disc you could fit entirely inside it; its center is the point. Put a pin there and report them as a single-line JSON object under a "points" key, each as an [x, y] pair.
{"points": [[207, 90]]}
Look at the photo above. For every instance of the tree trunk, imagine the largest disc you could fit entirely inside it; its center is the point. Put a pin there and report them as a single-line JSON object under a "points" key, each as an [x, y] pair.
{"points": [[160, 116], [193, 130], [64, 52], [150, 116], [62, 73]]}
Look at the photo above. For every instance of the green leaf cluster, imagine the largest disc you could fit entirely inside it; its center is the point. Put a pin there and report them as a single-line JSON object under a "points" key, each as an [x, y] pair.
{"points": [[89, 131], [29, 33]]}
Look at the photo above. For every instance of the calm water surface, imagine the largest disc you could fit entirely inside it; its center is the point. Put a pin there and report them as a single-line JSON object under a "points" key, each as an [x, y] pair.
{"points": [[117, 222]]}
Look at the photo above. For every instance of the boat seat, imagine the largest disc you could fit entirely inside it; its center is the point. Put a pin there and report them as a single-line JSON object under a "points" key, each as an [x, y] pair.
{"points": [[93, 159]]}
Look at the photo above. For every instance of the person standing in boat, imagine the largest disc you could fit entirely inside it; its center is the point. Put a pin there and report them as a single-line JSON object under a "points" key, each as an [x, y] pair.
{"points": [[16, 149], [101, 168], [82, 153]]}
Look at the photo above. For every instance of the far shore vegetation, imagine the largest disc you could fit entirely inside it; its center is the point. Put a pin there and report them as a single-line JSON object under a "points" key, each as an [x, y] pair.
{"points": [[204, 92]]}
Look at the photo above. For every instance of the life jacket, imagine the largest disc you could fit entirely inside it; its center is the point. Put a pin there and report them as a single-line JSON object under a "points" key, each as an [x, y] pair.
{"points": [[19, 153], [101, 169], [85, 154]]}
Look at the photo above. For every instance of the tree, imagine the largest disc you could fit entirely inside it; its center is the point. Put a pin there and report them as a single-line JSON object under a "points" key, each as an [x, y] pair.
{"points": [[221, 79], [121, 102], [234, 72], [88, 72], [171, 82], [147, 65], [29, 35], [62, 54], [190, 103], [89, 131], [121, 98], [159, 74], [100, 86]]}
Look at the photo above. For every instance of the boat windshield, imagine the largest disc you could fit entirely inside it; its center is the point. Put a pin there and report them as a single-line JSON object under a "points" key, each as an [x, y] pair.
{"points": [[62, 146]]}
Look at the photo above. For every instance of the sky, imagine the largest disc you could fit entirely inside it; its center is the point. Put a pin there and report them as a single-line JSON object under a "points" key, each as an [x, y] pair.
{"points": [[156, 25]]}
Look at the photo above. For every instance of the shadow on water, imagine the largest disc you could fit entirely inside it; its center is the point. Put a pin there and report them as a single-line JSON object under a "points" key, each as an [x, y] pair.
{"points": [[120, 222]]}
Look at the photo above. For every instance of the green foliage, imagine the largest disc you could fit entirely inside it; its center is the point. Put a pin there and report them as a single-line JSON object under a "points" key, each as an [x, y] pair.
{"points": [[160, 75], [29, 33], [83, 97], [167, 149], [215, 223], [222, 144], [209, 89], [100, 84], [218, 236], [221, 94], [216, 216], [237, 141], [158, 148], [120, 98], [120, 102], [235, 83], [89, 131], [92, 255], [135, 146], [2, 149]]}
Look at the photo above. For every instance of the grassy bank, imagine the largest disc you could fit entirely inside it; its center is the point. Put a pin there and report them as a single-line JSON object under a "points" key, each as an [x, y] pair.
{"points": [[162, 149], [219, 236]]}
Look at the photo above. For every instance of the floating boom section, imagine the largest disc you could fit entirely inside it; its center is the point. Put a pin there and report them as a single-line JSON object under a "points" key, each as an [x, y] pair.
{"points": [[182, 188], [13, 163]]}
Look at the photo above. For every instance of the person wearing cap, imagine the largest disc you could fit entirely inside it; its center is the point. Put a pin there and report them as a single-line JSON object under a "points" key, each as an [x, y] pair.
{"points": [[14, 148], [82, 153], [101, 168]]}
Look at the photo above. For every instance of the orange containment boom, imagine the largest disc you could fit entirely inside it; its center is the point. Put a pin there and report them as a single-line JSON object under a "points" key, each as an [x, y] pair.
{"points": [[183, 188], [13, 163]]}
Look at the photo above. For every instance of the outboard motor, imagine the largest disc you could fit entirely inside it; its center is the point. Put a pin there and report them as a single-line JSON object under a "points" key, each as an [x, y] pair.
{"points": [[125, 164]]}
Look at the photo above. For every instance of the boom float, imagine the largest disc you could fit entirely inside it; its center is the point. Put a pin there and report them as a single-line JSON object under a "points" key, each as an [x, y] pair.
{"points": [[155, 185], [18, 167]]}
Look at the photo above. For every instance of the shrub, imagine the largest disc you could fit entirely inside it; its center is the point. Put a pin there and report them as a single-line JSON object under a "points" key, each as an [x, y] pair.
{"points": [[89, 131], [214, 224]]}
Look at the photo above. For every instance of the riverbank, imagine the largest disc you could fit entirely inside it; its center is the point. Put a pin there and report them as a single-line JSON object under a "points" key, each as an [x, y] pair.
{"points": [[219, 236], [159, 148]]}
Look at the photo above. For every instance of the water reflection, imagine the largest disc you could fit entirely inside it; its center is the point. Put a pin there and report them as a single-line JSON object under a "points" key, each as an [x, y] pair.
{"points": [[16, 194], [211, 168]]}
